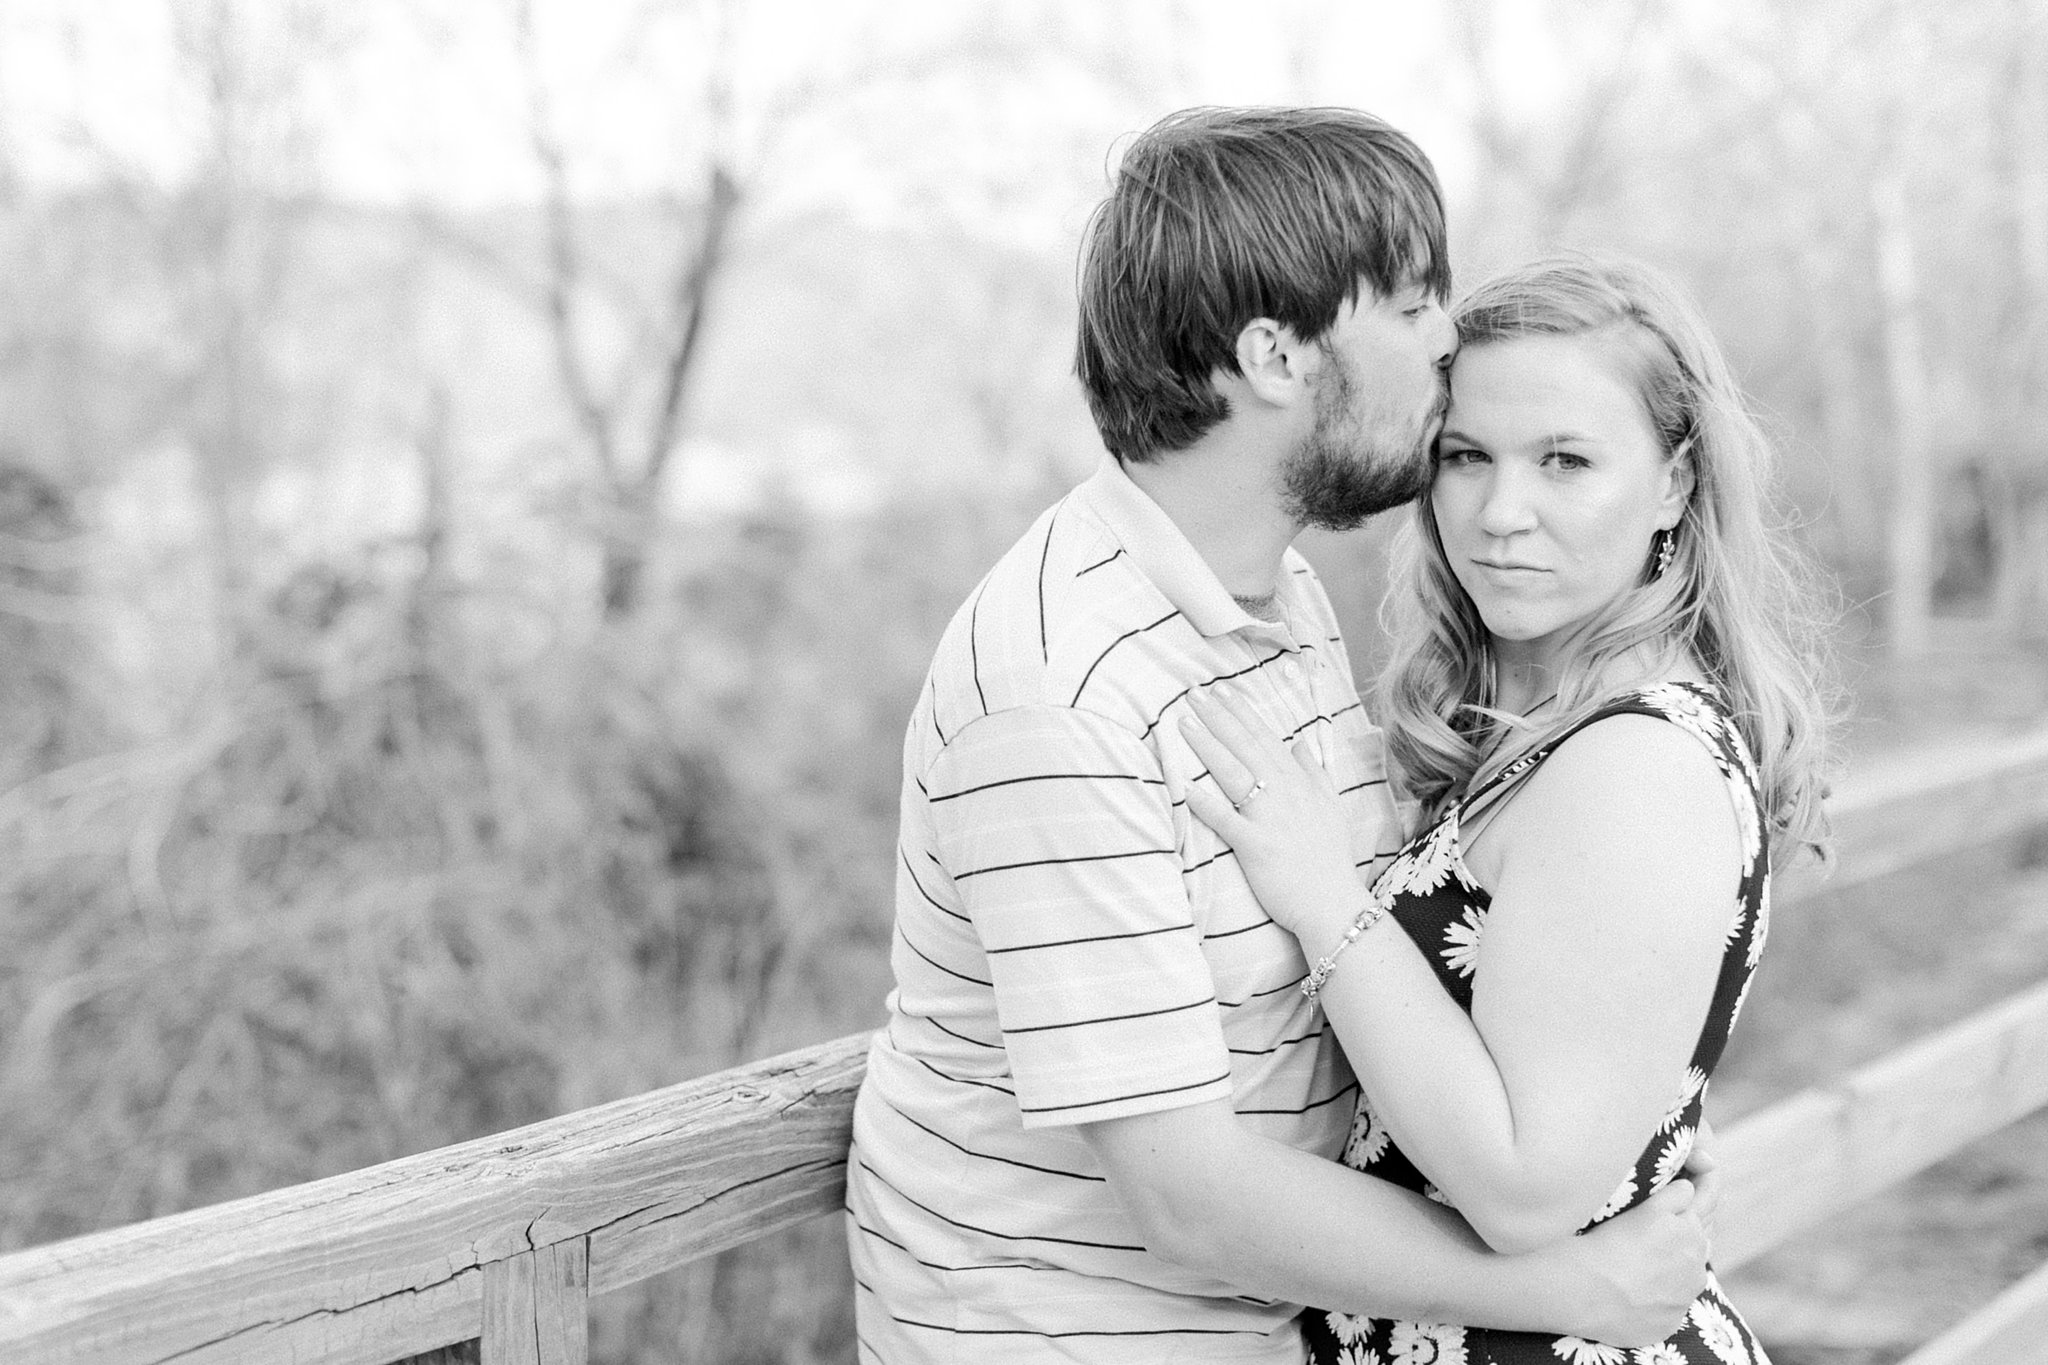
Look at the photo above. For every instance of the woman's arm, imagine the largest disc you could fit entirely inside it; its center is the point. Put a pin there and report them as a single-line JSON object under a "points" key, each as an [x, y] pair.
{"points": [[1614, 873], [1208, 1194]]}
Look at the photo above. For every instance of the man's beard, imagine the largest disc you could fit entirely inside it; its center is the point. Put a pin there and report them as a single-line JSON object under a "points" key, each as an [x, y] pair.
{"points": [[1335, 480]]}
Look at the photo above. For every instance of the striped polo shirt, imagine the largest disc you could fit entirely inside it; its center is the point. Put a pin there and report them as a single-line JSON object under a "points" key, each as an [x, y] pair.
{"points": [[1072, 945]]}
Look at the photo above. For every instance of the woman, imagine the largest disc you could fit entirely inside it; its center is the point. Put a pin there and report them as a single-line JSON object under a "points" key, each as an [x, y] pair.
{"points": [[1603, 694]]}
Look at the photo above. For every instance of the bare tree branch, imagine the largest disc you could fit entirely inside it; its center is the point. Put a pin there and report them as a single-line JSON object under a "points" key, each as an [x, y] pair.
{"points": [[563, 277]]}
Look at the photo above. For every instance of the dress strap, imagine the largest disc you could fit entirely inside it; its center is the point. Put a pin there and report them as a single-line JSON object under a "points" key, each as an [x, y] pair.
{"points": [[1636, 702]]}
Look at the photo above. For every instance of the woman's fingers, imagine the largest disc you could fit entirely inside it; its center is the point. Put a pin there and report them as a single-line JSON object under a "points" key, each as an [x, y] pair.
{"points": [[1676, 1197], [1217, 813], [1306, 760], [1233, 778], [1241, 732]]}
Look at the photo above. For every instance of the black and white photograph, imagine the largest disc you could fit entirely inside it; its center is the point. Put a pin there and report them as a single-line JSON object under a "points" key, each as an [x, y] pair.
{"points": [[982, 682]]}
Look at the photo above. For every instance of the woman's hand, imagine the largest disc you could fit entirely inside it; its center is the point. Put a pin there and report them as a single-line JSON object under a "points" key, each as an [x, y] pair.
{"points": [[1281, 816]]}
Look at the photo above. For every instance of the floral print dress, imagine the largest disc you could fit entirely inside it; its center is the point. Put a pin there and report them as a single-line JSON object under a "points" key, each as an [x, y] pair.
{"points": [[1433, 896]]}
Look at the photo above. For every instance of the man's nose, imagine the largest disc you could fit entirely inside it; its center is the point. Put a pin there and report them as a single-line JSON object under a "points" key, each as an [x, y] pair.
{"points": [[1444, 341]]}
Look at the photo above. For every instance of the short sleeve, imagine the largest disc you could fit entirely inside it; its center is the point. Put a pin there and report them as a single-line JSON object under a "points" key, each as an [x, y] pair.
{"points": [[1057, 830]]}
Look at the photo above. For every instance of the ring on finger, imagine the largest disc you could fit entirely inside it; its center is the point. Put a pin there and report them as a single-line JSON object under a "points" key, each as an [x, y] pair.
{"points": [[1245, 800]]}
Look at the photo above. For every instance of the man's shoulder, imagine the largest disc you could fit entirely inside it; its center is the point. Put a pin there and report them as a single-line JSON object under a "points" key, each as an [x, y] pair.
{"points": [[1044, 617]]}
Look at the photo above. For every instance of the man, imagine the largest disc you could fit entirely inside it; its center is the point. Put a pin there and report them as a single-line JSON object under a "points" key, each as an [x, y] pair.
{"points": [[1100, 1121]]}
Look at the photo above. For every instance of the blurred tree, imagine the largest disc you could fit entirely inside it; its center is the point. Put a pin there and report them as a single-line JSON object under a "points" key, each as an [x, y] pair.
{"points": [[2019, 510], [231, 235], [1537, 177], [625, 346]]}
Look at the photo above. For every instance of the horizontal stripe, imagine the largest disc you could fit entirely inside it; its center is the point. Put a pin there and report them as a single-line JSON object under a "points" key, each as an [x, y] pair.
{"points": [[950, 1033], [963, 1080], [1051, 777], [1260, 995], [992, 1232], [1232, 933], [986, 1156], [1130, 634], [934, 901], [935, 1265], [1310, 1107], [1111, 1018], [1295, 1041], [1119, 1099], [974, 980], [1059, 862], [1092, 938], [1209, 682]]}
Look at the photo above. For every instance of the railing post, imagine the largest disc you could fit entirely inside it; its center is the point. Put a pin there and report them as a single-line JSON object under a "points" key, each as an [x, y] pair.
{"points": [[537, 1306]]}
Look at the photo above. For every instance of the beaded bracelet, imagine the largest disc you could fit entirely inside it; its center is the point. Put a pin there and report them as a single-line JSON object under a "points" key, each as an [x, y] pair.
{"points": [[1375, 911]]}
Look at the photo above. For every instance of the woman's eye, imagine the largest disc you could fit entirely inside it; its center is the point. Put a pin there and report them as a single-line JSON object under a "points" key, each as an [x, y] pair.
{"points": [[1564, 459], [1459, 455]]}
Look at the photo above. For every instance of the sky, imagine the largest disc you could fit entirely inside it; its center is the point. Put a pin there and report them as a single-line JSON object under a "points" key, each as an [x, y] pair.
{"points": [[398, 101]]}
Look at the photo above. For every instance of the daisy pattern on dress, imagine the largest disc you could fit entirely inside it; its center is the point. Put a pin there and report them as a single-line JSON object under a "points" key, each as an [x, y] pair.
{"points": [[1360, 1354], [1623, 1195], [1718, 1331], [1423, 869], [1574, 1351], [1746, 820], [1737, 924], [1462, 956], [1671, 1160], [1687, 710], [1663, 1353], [1426, 1343], [1368, 1140], [1350, 1328], [1762, 929], [1695, 1083], [1741, 997]]}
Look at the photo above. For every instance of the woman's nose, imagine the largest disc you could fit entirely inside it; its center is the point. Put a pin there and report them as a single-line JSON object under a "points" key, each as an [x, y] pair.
{"points": [[1505, 509]]}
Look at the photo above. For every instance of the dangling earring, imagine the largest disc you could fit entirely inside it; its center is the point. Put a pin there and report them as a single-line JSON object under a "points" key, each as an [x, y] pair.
{"points": [[1666, 543]]}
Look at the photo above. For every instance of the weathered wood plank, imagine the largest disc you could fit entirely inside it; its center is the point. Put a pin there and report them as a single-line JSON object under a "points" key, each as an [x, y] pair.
{"points": [[367, 1330], [537, 1307], [754, 1148], [1825, 1149], [2010, 1330], [509, 1315], [1908, 812]]}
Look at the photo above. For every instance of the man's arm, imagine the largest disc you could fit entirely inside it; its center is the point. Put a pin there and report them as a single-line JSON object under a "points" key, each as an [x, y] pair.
{"points": [[1210, 1195]]}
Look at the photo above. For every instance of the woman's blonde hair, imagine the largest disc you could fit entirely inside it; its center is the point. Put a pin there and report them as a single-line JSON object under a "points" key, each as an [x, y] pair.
{"points": [[1737, 598]]}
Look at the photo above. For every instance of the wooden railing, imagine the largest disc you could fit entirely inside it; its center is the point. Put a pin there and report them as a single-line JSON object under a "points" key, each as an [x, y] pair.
{"points": [[502, 1240]]}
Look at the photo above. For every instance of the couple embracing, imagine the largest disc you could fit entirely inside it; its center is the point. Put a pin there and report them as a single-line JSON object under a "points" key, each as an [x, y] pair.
{"points": [[1191, 1028]]}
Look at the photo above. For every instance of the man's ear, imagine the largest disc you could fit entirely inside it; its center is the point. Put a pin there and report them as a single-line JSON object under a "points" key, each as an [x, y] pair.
{"points": [[1270, 361]]}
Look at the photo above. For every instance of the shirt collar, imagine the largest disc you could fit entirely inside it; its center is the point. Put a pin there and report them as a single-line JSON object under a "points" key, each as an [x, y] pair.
{"points": [[1164, 555]]}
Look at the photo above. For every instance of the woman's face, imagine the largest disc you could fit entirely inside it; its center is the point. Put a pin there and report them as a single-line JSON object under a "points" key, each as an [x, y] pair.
{"points": [[1550, 483]]}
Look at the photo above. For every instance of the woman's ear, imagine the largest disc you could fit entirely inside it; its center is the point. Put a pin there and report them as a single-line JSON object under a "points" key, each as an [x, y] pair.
{"points": [[1679, 480]]}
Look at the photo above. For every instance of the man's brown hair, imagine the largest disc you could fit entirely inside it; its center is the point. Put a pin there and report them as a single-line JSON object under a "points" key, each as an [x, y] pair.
{"points": [[1219, 216]]}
